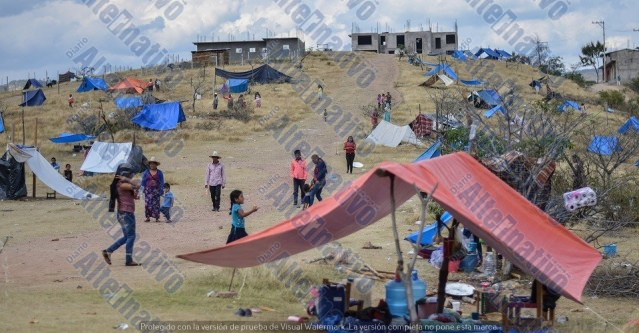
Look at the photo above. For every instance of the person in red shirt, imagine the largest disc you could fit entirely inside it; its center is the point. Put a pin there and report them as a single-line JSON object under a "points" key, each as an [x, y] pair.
{"points": [[71, 100], [349, 148], [299, 174]]}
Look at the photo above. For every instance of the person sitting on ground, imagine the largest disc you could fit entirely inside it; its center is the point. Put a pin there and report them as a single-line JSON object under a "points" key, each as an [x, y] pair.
{"points": [[70, 100], [55, 164], [307, 200], [167, 202], [68, 174], [258, 100]]}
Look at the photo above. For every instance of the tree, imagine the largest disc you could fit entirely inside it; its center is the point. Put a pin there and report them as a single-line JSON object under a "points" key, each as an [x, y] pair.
{"points": [[591, 53], [198, 84], [553, 66]]}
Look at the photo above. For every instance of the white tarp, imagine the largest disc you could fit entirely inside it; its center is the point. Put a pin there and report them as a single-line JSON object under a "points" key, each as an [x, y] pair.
{"points": [[387, 134], [106, 157], [47, 174], [447, 81]]}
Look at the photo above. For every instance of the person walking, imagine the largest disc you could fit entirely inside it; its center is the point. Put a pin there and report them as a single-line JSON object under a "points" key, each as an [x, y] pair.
{"points": [[70, 100], [349, 148], [153, 184], [215, 179], [299, 174], [258, 100], [319, 178], [123, 190]]}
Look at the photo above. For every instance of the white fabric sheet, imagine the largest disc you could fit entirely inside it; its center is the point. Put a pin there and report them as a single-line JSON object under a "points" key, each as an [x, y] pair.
{"points": [[106, 157], [387, 134]]}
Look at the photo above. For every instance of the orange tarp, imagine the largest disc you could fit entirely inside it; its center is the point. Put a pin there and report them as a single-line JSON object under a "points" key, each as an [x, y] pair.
{"points": [[487, 206], [131, 85]]}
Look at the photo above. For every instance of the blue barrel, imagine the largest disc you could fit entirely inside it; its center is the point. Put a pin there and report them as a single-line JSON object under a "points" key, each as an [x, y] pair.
{"points": [[331, 301]]}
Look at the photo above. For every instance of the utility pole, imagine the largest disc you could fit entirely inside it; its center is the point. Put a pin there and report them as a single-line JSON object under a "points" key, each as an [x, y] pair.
{"points": [[602, 24]]}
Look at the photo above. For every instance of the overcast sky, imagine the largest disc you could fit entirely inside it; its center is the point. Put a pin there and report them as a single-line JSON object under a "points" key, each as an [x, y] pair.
{"points": [[39, 35]]}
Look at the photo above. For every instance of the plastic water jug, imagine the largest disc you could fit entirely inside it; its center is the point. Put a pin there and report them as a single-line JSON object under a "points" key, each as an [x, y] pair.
{"points": [[419, 287], [489, 264], [396, 297]]}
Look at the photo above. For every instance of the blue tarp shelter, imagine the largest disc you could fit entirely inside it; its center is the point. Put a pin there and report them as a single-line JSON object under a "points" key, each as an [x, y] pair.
{"points": [[126, 102], [262, 74], [604, 145], [442, 67], [459, 55], [632, 123], [71, 138], [92, 83], [503, 54], [1, 124], [569, 104], [490, 53], [490, 97], [160, 117], [471, 82], [33, 98], [429, 231], [433, 151], [32, 83], [494, 110], [234, 86]]}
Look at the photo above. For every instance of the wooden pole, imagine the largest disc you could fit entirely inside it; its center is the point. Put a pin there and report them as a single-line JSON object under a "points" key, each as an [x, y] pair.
{"points": [[33, 192], [24, 139], [232, 276]]}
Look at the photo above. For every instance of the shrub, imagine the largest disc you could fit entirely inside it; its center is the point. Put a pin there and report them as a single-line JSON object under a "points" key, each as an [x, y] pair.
{"points": [[634, 85], [577, 78], [614, 98]]}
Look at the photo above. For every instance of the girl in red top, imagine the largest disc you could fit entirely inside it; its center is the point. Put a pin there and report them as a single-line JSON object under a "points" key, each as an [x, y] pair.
{"points": [[349, 148]]}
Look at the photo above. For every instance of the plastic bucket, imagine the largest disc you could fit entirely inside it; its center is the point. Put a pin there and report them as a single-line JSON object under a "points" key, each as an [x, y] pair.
{"points": [[610, 250]]}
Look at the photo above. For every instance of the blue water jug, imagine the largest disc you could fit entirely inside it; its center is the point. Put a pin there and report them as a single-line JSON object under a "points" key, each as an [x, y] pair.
{"points": [[419, 287], [396, 297]]}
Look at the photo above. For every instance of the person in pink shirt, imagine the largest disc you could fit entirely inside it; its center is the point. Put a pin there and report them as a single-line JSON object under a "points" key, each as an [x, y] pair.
{"points": [[299, 174], [215, 180]]}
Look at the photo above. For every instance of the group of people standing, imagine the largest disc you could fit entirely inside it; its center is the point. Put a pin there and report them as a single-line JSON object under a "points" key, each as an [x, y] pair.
{"points": [[384, 105], [241, 102]]}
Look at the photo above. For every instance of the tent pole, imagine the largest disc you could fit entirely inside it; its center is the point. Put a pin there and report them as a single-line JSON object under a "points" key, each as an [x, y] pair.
{"points": [[24, 139], [232, 276], [33, 192]]}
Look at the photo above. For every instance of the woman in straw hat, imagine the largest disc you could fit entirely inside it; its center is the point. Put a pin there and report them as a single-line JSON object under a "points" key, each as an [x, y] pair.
{"points": [[153, 183]]}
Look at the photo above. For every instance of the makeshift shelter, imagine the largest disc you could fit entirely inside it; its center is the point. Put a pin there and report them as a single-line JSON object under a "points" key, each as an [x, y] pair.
{"points": [[47, 174], [491, 112], [471, 82], [131, 85], [503, 54], [485, 98], [263, 74], [422, 126], [235, 86], [442, 68], [630, 124], [389, 135], [511, 225], [433, 151], [1, 124], [33, 98], [66, 77], [604, 145], [429, 231], [71, 138], [92, 83], [32, 83], [127, 102], [12, 181], [105, 157], [568, 104], [160, 117], [490, 54], [459, 55]]}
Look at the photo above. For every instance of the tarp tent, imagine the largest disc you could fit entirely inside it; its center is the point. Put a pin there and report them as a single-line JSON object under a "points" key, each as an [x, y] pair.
{"points": [[160, 117], [604, 145], [503, 54], [442, 68], [47, 174], [485, 98], [131, 85], [235, 86], [12, 181], [568, 104], [105, 157], [92, 83], [262, 74], [491, 54], [511, 225], [389, 135], [429, 231], [127, 102], [471, 82], [1, 123], [630, 124], [66, 77], [422, 126], [33, 98], [459, 55], [71, 138], [433, 151], [32, 83], [491, 112]]}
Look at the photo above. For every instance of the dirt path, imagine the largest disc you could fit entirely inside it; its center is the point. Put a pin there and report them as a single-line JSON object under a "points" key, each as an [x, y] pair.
{"points": [[41, 262]]}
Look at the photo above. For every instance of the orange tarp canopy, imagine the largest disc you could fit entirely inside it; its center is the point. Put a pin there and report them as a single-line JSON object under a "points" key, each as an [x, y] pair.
{"points": [[491, 209], [131, 85]]}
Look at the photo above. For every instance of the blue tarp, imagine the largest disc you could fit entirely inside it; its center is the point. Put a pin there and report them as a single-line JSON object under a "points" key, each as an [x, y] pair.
{"points": [[471, 82], [489, 52], [457, 54], [569, 104], [71, 138], [494, 110], [445, 68], [1, 124], [490, 97], [125, 102], [429, 231], [632, 123], [433, 151], [32, 83], [33, 98], [604, 145], [262, 74], [234, 86], [92, 83], [160, 117], [503, 54]]}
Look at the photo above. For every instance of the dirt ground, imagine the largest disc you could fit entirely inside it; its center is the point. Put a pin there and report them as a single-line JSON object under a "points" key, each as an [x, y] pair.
{"points": [[42, 291]]}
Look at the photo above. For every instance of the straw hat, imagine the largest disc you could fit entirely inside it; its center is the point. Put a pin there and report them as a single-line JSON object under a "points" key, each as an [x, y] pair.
{"points": [[153, 160], [215, 154]]}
